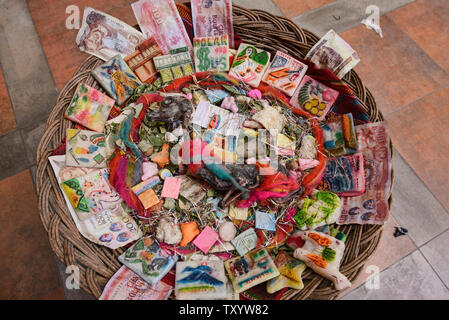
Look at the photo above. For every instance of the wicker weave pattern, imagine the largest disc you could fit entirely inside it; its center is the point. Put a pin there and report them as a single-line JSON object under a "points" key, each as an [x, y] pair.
{"points": [[97, 264]]}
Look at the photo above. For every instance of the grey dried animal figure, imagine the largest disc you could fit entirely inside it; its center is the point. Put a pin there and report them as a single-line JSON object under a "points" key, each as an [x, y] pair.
{"points": [[173, 111]]}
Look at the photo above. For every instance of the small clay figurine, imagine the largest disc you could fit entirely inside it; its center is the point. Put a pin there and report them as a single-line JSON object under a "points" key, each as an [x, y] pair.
{"points": [[173, 110]]}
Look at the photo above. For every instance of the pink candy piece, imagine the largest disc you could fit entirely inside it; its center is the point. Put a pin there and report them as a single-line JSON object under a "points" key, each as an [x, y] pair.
{"points": [[255, 94], [206, 239], [229, 104], [149, 170], [189, 96], [171, 188], [305, 164]]}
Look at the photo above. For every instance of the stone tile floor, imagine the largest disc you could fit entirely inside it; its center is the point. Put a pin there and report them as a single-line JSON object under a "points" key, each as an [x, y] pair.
{"points": [[407, 71]]}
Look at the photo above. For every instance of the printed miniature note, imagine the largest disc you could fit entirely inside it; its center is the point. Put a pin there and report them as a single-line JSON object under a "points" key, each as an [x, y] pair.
{"points": [[85, 149], [333, 53], [372, 206], [161, 20], [126, 285], [89, 107], [339, 135], [174, 66], [117, 79], [213, 18], [211, 53], [285, 73], [105, 36]]}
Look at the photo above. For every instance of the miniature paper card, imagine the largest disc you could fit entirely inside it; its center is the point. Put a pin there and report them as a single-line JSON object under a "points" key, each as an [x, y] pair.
{"points": [[245, 241], [110, 228], [174, 66], [91, 194], [105, 36], [89, 107], [211, 53], [200, 280], [85, 149], [146, 185], [161, 20], [339, 135], [221, 120], [333, 53], [141, 61], [345, 175], [206, 239], [265, 220], [148, 198], [126, 285], [314, 98], [171, 188], [251, 269], [213, 18], [117, 79], [249, 64], [285, 73], [147, 260]]}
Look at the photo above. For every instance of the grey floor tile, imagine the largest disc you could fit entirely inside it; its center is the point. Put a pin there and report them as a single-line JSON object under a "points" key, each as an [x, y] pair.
{"points": [[70, 294], [13, 158], [266, 5], [29, 80], [437, 253], [412, 278], [414, 206], [32, 137], [343, 15]]}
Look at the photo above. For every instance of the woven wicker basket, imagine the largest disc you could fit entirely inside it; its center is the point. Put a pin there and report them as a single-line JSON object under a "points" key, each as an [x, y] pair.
{"points": [[97, 263]]}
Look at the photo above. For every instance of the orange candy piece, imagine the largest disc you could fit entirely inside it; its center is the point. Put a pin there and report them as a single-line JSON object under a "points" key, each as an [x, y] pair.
{"points": [[162, 158], [189, 231]]}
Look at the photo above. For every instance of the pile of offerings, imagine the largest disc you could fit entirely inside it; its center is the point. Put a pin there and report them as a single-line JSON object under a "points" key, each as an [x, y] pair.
{"points": [[224, 169]]}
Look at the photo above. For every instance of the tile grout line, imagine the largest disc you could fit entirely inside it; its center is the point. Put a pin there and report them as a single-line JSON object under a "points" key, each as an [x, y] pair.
{"points": [[418, 99], [433, 269]]}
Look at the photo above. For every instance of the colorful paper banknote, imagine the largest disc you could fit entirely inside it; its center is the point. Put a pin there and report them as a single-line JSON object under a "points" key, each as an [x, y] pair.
{"points": [[345, 175], [85, 149], [285, 73], [372, 206], [126, 285], [213, 18], [105, 36], [117, 79], [211, 53], [109, 228], [174, 66], [161, 20], [333, 53]]}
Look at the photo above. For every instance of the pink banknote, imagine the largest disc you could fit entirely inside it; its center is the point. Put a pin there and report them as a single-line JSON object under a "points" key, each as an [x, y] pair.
{"points": [[372, 206], [160, 19], [213, 18], [126, 285]]}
